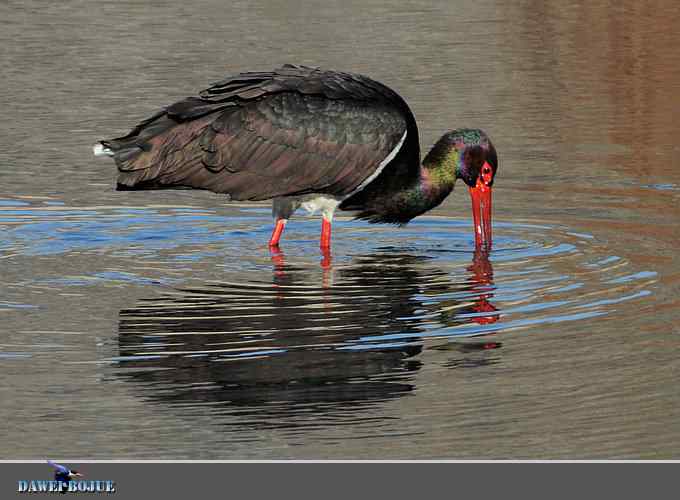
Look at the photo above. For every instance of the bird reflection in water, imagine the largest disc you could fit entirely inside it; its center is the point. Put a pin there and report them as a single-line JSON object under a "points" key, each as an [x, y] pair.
{"points": [[478, 288], [279, 351]]}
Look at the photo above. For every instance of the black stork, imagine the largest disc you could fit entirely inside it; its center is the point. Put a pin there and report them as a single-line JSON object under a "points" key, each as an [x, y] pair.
{"points": [[311, 138]]}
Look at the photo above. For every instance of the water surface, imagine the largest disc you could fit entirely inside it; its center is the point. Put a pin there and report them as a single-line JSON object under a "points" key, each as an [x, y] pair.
{"points": [[159, 325]]}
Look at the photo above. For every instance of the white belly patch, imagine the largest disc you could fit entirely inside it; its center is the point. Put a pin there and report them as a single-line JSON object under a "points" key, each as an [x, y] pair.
{"points": [[325, 204]]}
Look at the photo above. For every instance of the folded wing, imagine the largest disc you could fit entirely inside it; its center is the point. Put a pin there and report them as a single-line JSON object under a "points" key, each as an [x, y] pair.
{"points": [[262, 135]]}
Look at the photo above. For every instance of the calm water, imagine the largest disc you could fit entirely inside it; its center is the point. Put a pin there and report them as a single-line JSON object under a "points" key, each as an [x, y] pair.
{"points": [[158, 325]]}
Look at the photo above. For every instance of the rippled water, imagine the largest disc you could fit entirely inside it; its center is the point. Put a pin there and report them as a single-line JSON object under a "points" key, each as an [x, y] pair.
{"points": [[159, 325]]}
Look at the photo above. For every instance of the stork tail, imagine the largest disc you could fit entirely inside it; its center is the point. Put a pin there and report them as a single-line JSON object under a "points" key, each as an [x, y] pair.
{"points": [[100, 149]]}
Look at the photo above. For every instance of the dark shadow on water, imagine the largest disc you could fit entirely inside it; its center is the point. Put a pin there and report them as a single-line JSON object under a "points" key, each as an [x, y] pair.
{"points": [[300, 348]]}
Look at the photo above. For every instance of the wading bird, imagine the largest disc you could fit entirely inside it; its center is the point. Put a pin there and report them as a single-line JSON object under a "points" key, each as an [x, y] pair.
{"points": [[311, 138]]}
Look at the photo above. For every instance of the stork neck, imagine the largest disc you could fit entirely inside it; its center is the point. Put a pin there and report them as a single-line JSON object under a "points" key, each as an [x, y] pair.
{"points": [[428, 191], [401, 198], [436, 181]]}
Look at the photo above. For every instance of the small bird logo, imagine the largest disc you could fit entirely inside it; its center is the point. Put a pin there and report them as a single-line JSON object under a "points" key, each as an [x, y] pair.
{"points": [[63, 474]]}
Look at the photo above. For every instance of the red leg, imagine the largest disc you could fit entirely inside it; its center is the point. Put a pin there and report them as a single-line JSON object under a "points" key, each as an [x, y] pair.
{"points": [[327, 259], [325, 234], [276, 234]]}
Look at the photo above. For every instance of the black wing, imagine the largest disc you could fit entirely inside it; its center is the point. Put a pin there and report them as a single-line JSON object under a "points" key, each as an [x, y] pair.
{"points": [[256, 136]]}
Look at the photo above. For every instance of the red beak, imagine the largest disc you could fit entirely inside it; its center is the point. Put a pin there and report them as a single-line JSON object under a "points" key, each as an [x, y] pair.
{"points": [[481, 208]]}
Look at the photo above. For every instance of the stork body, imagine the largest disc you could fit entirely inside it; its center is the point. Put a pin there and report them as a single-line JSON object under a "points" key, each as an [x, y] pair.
{"points": [[306, 138]]}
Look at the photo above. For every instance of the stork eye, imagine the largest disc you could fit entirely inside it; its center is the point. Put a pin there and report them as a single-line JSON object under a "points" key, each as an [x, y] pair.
{"points": [[486, 175]]}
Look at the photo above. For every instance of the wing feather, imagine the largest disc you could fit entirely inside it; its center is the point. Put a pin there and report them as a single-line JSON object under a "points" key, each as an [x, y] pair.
{"points": [[260, 135]]}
